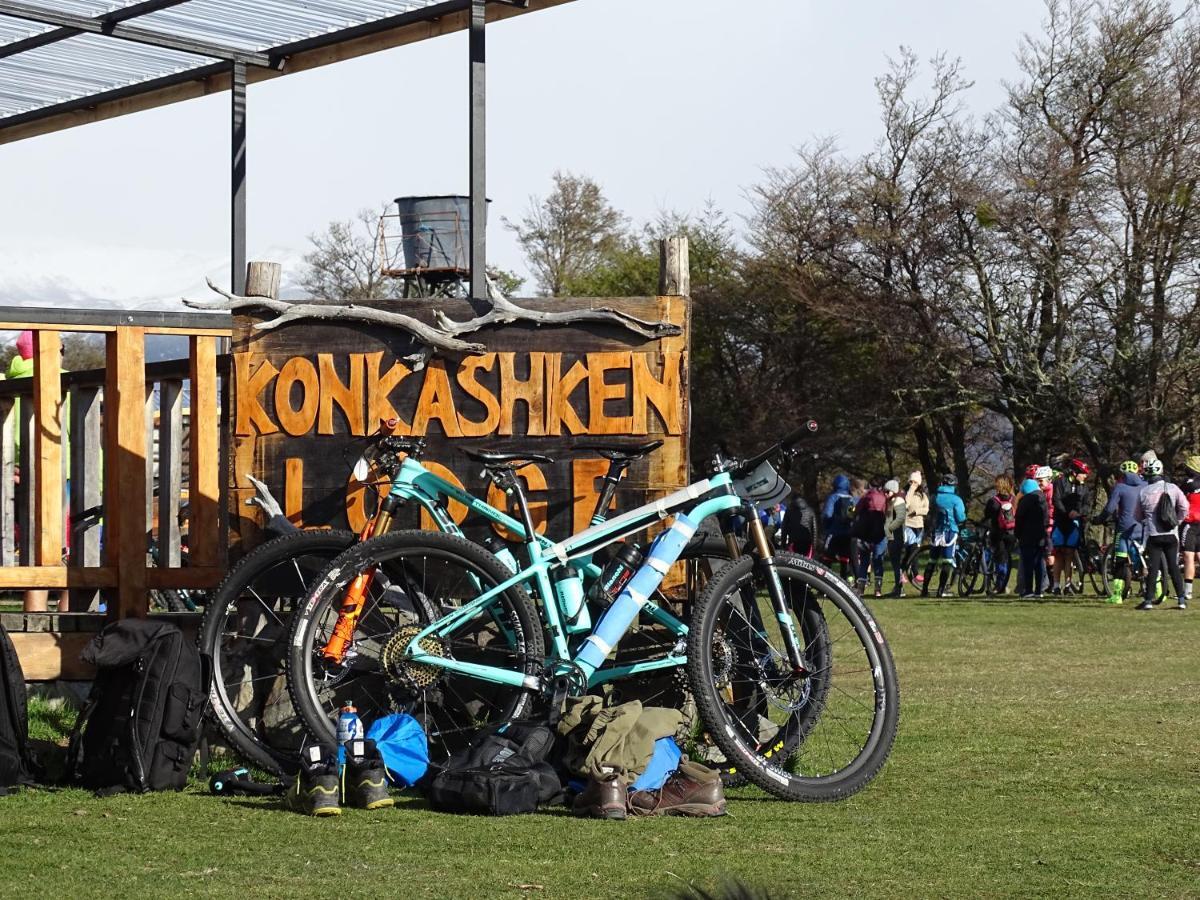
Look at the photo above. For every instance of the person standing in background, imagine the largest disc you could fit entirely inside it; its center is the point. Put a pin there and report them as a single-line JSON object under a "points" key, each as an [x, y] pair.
{"points": [[1072, 507], [1161, 507], [916, 505], [893, 529], [799, 530], [837, 516], [1000, 519], [1121, 510], [949, 513], [1033, 515], [1190, 540], [870, 538]]}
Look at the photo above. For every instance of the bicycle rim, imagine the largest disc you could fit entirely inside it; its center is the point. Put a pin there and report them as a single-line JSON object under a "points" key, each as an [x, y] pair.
{"points": [[821, 736], [419, 577]]}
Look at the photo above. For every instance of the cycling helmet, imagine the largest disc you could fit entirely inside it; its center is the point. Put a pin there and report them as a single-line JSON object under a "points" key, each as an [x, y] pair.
{"points": [[1154, 467], [1044, 472], [1130, 466], [949, 479], [1079, 467], [1192, 463], [1031, 470]]}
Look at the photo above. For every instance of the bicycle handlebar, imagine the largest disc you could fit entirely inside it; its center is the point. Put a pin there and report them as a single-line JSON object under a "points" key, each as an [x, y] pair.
{"points": [[788, 441]]}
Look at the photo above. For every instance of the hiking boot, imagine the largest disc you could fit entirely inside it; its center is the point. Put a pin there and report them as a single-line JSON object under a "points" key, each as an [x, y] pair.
{"points": [[1118, 591], [605, 797], [692, 790], [316, 790], [364, 782]]}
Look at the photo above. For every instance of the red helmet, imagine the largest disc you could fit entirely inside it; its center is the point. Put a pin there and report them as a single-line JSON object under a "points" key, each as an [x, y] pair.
{"points": [[1079, 467], [1031, 470]]}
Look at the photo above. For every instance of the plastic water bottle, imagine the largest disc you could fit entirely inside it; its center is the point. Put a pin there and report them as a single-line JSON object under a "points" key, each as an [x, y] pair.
{"points": [[349, 728]]}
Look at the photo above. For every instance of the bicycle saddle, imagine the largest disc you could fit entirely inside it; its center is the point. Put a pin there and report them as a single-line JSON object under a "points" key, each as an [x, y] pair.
{"points": [[621, 452], [497, 458]]}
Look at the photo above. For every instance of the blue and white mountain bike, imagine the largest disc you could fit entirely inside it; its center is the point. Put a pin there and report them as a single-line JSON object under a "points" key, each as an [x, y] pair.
{"points": [[791, 674]]}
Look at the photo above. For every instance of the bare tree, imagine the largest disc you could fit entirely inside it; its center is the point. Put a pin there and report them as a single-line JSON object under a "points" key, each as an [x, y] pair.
{"points": [[344, 263], [568, 232]]}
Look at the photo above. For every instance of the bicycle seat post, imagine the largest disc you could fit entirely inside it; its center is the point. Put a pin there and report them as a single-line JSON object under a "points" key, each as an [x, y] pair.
{"points": [[617, 467], [508, 481]]}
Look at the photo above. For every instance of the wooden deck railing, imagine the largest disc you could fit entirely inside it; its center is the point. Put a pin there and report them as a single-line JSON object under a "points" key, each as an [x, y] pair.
{"points": [[127, 436]]}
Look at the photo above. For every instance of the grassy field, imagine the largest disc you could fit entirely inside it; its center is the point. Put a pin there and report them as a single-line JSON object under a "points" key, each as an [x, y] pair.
{"points": [[1046, 749]]}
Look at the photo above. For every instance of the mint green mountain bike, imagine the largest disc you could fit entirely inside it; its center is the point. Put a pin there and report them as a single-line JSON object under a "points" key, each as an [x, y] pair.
{"points": [[792, 676]]}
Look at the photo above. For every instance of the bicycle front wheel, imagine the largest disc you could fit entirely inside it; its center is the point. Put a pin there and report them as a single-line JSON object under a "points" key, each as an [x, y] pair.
{"points": [[840, 714], [417, 577], [245, 630]]}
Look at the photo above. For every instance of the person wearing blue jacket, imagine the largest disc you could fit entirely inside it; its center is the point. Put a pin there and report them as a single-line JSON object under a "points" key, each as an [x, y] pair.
{"points": [[948, 513], [837, 518], [1121, 510]]}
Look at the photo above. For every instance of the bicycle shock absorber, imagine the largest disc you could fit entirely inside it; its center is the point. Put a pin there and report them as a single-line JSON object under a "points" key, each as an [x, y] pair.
{"points": [[355, 596]]}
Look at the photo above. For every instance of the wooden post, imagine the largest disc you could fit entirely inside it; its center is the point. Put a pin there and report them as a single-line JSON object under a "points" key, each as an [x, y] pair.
{"points": [[27, 464], [47, 453], [8, 492], [87, 450], [262, 279], [125, 464], [674, 279], [203, 466], [170, 467]]}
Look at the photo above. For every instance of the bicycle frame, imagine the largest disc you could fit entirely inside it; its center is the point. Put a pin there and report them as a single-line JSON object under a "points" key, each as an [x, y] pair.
{"points": [[715, 495]]}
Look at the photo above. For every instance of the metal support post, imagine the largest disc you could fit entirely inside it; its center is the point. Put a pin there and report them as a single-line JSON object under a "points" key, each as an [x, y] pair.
{"points": [[237, 254], [478, 150]]}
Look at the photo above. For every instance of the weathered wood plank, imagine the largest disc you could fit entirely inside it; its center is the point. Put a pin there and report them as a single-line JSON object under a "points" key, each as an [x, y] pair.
{"points": [[26, 493], [170, 471], [674, 277], [8, 493], [125, 464], [35, 577], [204, 475], [87, 451], [50, 656], [187, 578], [151, 455]]}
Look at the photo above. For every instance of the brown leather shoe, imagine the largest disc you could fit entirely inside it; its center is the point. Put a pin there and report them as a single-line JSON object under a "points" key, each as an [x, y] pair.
{"points": [[603, 798], [692, 790]]}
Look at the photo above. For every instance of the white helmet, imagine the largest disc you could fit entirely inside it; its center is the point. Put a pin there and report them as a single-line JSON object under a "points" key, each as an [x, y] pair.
{"points": [[1154, 466], [1044, 472]]}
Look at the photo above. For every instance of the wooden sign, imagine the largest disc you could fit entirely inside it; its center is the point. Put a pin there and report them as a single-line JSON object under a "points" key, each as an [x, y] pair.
{"points": [[307, 393]]}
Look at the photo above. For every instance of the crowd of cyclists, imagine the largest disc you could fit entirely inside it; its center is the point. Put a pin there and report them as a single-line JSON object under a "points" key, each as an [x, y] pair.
{"points": [[1041, 523]]}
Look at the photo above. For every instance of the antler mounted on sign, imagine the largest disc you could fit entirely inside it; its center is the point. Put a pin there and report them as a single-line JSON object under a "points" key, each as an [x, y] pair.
{"points": [[446, 333]]}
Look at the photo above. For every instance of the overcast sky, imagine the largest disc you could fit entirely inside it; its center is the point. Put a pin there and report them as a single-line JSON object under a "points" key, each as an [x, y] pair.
{"points": [[665, 102]]}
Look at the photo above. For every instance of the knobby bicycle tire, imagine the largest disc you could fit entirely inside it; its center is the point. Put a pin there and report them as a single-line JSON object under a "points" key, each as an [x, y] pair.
{"points": [[316, 689], [221, 637], [770, 771]]}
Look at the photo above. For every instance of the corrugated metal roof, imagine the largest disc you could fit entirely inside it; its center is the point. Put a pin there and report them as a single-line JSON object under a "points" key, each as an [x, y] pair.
{"points": [[56, 67]]}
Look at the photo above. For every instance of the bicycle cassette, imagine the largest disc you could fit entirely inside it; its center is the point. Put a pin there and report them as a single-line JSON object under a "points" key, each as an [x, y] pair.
{"points": [[402, 668]]}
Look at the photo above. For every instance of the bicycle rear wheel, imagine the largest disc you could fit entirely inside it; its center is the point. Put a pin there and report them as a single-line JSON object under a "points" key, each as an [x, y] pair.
{"points": [[245, 630], [418, 577], [840, 714]]}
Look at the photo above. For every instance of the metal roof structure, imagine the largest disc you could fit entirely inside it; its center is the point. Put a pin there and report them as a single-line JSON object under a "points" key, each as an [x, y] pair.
{"points": [[69, 62], [65, 63]]}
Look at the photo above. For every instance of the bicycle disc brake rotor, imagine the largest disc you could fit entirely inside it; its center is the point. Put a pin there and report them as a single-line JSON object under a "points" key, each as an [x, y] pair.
{"points": [[401, 668]]}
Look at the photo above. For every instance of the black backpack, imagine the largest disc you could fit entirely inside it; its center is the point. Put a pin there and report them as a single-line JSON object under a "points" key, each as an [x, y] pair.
{"points": [[16, 764], [141, 725], [503, 773], [1166, 518]]}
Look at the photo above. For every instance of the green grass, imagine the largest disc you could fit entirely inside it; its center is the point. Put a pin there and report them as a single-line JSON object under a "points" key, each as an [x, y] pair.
{"points": [[1045, 749]]}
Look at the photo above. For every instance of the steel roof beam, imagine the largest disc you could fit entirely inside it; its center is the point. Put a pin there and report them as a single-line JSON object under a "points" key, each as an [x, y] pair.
{"points": [[61, 34], [31, 12]]}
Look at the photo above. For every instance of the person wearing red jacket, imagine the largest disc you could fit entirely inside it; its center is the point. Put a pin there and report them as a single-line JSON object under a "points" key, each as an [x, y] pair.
{"points": [[1190, 483]]}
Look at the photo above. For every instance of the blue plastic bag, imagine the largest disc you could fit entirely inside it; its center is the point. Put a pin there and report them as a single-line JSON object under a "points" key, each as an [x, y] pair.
{"points": [[664, 761], [401, 742]]}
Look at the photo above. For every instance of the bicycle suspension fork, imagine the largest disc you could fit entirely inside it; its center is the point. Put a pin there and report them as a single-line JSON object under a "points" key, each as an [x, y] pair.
{"points": [[779, 601], [355, 597]]}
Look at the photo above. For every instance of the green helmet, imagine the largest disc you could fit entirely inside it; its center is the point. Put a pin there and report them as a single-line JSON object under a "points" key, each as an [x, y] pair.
{"points": [[1130, 466]]}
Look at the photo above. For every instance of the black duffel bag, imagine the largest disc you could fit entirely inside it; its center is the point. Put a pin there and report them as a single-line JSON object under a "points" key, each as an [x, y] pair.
{"points": [[503, 772]]}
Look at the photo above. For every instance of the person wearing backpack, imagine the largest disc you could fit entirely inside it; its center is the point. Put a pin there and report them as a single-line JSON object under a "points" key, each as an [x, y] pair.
{"points": [[1161, 507], [870, 537], [1072, 506], [949, 513], [1000, 519], [799, 529], [837, 518], [1030, 531], [893, 530]]}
